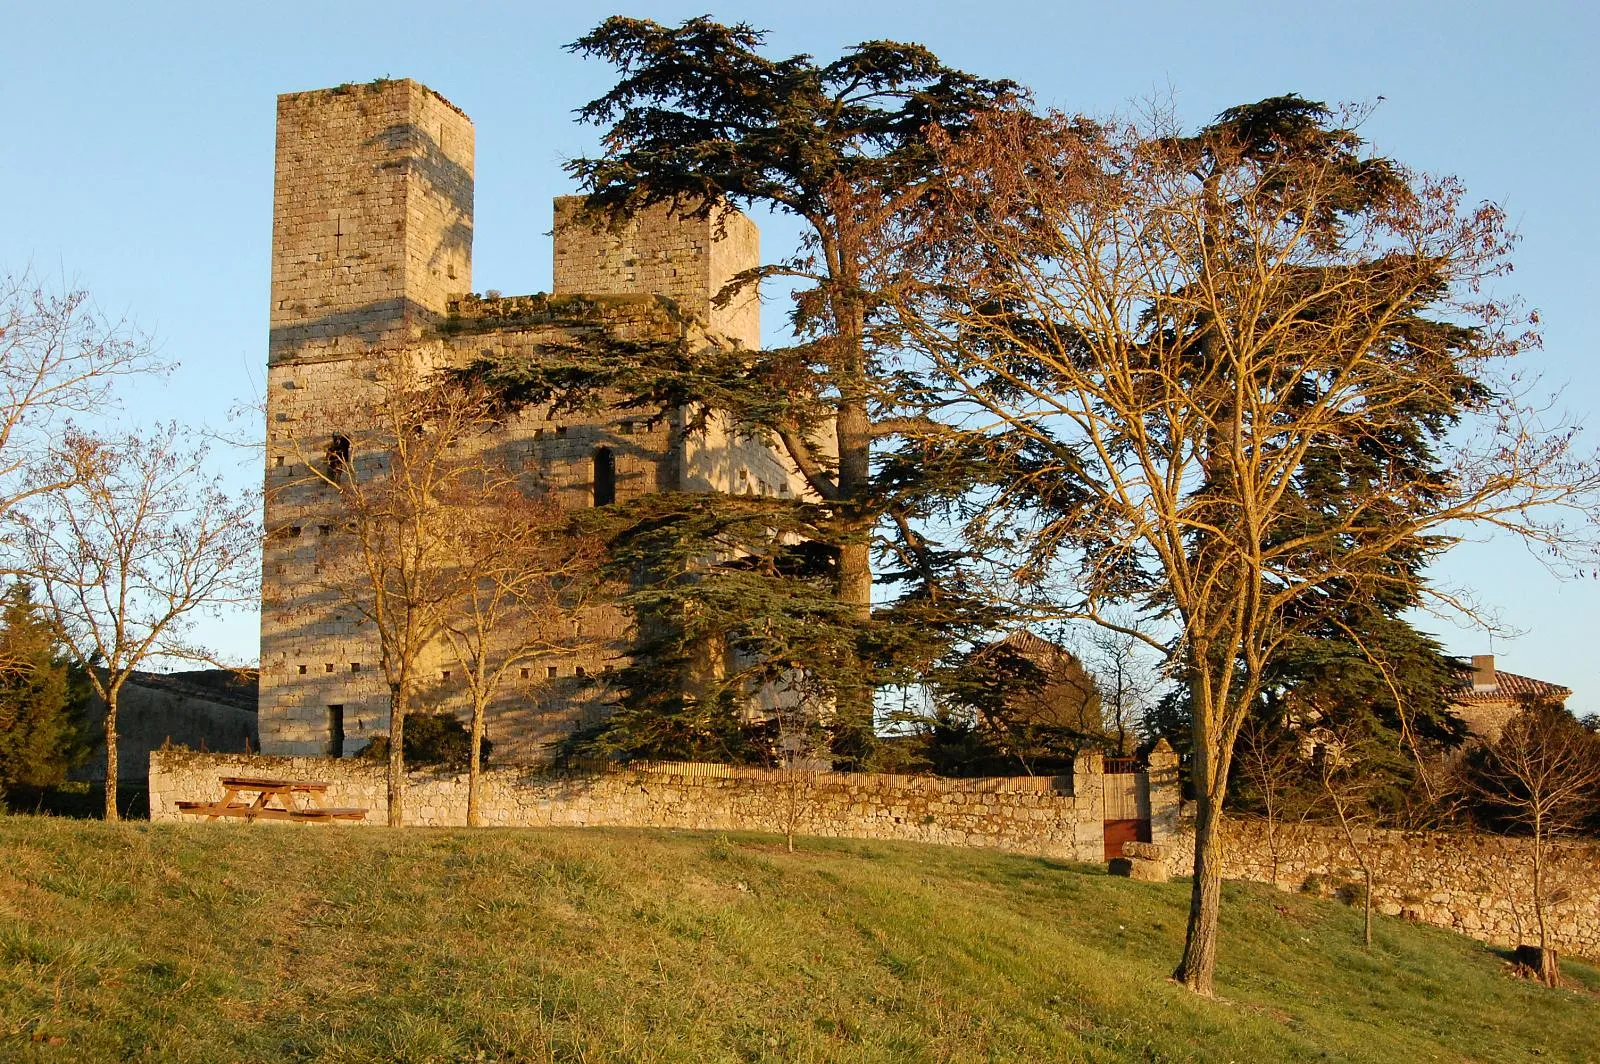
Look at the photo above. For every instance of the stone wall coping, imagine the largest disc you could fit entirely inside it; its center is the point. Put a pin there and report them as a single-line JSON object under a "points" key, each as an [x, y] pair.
{"points": [[1060, 786], [1024, 816]]}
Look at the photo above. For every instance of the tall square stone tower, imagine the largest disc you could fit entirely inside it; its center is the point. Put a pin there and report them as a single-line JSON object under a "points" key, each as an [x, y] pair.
{"points": [[371, 218]]}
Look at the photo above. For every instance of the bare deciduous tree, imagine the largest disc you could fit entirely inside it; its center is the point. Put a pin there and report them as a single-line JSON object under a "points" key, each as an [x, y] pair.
{"points": [[526, 575], [1219, 371], [131, 537], [1272, 766], [1541, 776], [58, 356], [1346, 788], [403, 462], [1125, 679], [801, 744]]}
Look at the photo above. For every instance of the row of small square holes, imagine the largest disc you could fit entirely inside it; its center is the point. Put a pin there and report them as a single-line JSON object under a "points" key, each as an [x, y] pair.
{"points": [[624, 428], [550, 671]]}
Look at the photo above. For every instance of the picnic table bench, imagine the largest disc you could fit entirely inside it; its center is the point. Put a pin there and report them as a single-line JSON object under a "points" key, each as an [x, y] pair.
{"points": [[297, 800]]}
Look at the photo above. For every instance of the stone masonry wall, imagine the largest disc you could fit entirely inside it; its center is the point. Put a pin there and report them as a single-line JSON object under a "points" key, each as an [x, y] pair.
{"points": [[1047, 816], [1474, 885], [152, 716], [686, 259], [372, 217], [371, 238], [1477, 885], [316, 651], [371, 263]]}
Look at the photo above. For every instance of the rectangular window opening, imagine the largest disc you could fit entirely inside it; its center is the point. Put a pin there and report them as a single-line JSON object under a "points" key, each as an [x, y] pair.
{"points": [[336, 731]]}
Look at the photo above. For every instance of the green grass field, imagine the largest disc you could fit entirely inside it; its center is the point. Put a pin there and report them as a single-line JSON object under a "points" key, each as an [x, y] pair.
{"points": [[238, 943]]}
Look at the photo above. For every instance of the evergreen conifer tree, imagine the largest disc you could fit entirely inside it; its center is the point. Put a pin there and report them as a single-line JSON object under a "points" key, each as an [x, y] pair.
{"points": [[702, 120], [40, 699]]}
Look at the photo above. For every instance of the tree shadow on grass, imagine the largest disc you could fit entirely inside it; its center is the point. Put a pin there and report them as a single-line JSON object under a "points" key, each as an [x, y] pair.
{"points": [[80, 801]]}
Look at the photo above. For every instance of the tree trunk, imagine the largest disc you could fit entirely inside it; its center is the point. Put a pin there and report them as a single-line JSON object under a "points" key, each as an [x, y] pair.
{"points": [[854, 428], [1199, 962], [1272, 834], [475, 756], [397, 755], [1367, 930], [1549, 970], [111, 756]]}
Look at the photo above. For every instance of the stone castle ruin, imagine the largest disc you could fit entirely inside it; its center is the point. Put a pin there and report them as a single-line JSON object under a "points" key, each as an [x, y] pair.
{"points": [[371, 268], [372, 263]]}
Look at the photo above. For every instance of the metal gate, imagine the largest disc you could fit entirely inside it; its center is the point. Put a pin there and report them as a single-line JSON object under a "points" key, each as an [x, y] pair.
{"points": [[1126, 790]]}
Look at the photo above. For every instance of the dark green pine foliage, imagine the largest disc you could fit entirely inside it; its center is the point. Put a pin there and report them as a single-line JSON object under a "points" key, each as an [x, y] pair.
{"points": [[1391, 467], [42, 698], [1013, 706], [730, 594], [1386, 696], [700, 119]]}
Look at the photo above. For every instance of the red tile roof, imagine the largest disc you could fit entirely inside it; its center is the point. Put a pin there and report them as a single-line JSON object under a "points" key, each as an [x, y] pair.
{"points": [[1509, 687], [1029, 645]]}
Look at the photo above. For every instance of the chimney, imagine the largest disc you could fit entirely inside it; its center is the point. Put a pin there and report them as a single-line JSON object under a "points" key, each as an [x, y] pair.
{"points": [[1483, 676]]}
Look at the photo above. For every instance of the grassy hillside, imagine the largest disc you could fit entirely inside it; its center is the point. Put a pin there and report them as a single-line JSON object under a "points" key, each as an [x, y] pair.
{"points": [[235, 943]]}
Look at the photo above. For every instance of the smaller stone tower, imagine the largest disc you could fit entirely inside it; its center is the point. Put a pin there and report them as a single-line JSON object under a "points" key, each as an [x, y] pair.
{"points": [[687, 259]]}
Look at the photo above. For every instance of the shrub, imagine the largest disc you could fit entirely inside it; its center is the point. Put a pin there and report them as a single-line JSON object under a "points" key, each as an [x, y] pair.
{"points": [[431, 739]]}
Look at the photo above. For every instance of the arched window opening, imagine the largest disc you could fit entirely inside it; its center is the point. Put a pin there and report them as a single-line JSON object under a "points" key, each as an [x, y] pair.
{"points": [[605, 477]]}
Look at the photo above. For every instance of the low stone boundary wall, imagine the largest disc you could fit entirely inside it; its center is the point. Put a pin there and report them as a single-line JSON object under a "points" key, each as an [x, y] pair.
{"points": [[1045, 816], [1478, 885]]}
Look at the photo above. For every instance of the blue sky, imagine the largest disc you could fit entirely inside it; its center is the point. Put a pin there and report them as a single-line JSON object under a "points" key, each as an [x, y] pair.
{"points": [[139, 144]]}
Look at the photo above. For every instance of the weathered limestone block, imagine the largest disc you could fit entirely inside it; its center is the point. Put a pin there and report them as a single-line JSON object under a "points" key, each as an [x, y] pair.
{"points": [[1144, 861]]}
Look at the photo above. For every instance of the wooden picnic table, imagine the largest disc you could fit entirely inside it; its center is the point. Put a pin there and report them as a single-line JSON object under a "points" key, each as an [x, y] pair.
{"points": [[299, 800]]}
